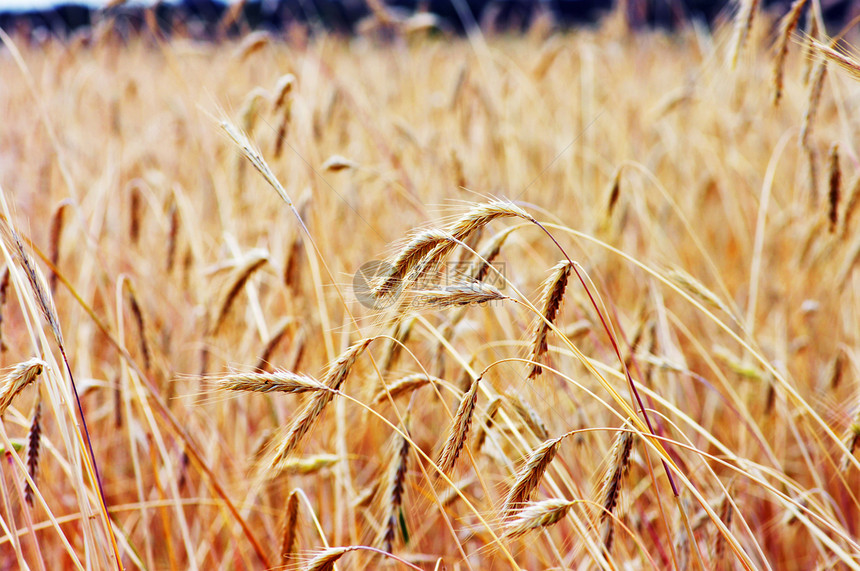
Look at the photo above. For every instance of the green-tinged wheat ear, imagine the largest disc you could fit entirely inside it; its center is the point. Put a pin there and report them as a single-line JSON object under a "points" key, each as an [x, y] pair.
{"points": [[530, 476], [17, 378], [553, 294], [290, 528], [397, 484], [536, 515], [459, 429]]}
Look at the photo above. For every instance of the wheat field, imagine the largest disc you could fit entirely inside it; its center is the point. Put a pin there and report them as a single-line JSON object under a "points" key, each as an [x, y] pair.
{"points": [[580, 300]]}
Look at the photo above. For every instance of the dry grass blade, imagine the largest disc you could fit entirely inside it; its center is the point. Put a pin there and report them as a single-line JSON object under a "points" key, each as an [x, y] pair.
{"points": [[17, 378], [553, 294], [302, 424], [34, 442], [252, 262], [460, 429], [405, 385], [613, 482], [530, 475], [277, 381], [786, 28], [290, 529], [537, 515]]}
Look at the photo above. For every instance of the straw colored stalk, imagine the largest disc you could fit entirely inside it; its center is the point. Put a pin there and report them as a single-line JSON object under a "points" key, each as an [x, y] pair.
{"points": [[537, 515], [17, 378], [459, 429], [311, 412], [530, 476], [553, 294], [277, 381]]}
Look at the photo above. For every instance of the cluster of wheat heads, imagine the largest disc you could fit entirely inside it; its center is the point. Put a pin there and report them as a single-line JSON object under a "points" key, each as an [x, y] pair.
{"points": [[692, 253]]}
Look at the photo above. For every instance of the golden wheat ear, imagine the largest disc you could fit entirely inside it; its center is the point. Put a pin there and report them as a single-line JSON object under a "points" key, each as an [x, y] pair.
{"points": [[530, 475], [459, 429], [553, 294]]}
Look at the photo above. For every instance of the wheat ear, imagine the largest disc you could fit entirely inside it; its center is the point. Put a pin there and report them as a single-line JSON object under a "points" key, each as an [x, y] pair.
{"points": [[289, 532], [17, 378], [530, 475], [553, 294], [459, 429], [786, 28], [34, 441], [305, 420], [399, 468], [537, 515], [613, 481], [835, 188]]}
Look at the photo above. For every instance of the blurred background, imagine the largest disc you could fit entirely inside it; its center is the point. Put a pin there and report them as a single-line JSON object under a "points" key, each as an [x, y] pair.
{"points": [[345, 15]]}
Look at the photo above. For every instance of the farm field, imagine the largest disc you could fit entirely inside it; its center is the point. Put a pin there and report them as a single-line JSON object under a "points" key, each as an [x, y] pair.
{"points": [[558, 300]]}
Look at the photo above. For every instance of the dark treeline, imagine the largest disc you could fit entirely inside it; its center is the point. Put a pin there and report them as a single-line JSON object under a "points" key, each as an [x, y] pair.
{"points": [[202, 17]]}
